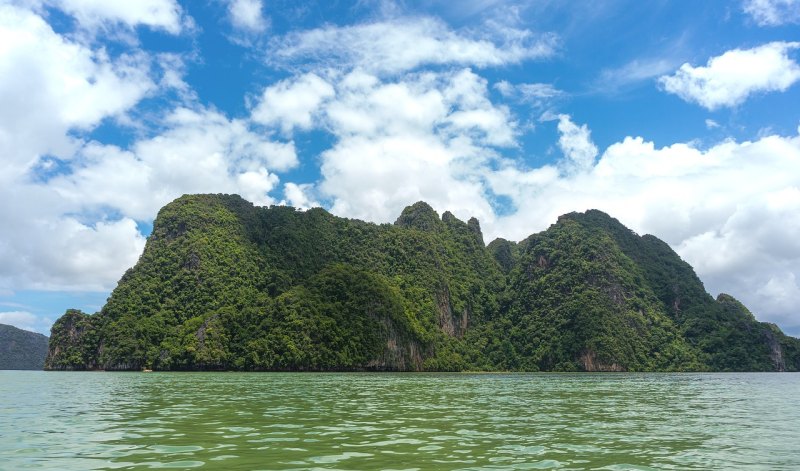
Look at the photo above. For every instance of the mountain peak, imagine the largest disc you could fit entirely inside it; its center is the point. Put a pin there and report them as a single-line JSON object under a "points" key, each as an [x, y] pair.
{"points": [[420, 216], [223, 284]]}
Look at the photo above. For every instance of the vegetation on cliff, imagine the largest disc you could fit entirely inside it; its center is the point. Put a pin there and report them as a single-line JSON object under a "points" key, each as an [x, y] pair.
{"points": [[21, 349], [223, 284]]}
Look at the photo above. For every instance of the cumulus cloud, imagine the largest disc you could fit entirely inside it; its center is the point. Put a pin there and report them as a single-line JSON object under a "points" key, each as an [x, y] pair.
{"points": [[773, 12], [419, 135], [201, 151], [427, 136], [45, 246], [386, 173], [300, 196], [50, 85], [576, 144], [70, 244], [52, 89], [293, 102], [158, 14], [405, 44], [729, 79], [73, 223], [247, 15]]}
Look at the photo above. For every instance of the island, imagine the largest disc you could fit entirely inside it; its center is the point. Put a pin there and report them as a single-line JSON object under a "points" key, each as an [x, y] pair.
{"points": [[226, 285], [21, 349]]}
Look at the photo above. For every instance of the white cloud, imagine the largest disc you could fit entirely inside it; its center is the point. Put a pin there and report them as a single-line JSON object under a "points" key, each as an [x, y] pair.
{"points": [[52, 89], [174, 69], [49, 85], [711, 124], [300, 196], [52, 238], [25, 320], [425, 136], [773, 12], [449, 104], [157, 14], [201, 151], [532, 91], [536, 95], [76, 203], [376, 178], [369, 108], [293, 102], [405, 44], [729, 79], [46, 246], [576, 144], [247, 15]]}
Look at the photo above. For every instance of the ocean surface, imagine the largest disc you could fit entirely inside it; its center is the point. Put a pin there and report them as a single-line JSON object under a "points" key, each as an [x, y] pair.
{"points": [[232, 421]]}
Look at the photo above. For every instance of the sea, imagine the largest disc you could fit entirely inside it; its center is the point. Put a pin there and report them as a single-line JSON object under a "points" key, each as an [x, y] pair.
{"points": [[397, 421]]}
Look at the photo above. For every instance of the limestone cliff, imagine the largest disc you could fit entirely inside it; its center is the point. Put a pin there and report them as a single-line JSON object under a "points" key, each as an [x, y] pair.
{"points": [[225, 285]]}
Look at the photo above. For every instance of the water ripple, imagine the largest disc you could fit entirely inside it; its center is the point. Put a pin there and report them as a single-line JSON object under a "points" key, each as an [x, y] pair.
{"points": [[70, 421]]}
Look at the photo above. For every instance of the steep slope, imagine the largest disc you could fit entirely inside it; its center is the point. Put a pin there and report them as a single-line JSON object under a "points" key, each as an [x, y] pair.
{"points": [[725, 333], [223, 284], [21, 349], [577, 302]]}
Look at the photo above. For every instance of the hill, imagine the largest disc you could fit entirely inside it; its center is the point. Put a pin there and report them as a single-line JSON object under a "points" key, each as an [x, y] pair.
{"points": [[21, 349], [225, 285]]}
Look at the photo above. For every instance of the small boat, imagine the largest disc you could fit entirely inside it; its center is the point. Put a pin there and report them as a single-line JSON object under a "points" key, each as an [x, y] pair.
{"points": [[146, 370]]}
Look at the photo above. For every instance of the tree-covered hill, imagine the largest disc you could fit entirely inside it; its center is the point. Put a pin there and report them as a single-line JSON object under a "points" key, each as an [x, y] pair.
{"points": [[21, 349], [225, 285]]}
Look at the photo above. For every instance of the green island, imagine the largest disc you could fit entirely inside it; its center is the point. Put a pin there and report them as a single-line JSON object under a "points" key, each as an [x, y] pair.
{"points": [[21, 349], [226, 285]]}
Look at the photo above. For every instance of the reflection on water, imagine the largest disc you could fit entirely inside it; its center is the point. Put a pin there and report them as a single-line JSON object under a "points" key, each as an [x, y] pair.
{"points": [[282, 421]]}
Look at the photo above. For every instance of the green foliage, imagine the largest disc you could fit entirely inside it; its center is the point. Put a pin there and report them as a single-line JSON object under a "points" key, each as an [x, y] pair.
{"points": [[21, 349], [580, 303], [74, 342], [224, 285]]}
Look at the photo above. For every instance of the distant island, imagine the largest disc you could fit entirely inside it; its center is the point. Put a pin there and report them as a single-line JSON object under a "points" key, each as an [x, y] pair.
{"points": [[225, 285], [21, 349]]}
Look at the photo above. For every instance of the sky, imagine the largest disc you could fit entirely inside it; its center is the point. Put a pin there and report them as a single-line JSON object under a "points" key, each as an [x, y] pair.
{"points": [[680, 119]]}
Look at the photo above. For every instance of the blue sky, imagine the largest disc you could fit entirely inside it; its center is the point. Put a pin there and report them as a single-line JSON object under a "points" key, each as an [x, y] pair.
{"points": [[678, 118]]}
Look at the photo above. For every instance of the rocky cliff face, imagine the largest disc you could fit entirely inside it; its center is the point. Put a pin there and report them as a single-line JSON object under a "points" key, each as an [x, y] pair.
{"points": [[223, 284]]}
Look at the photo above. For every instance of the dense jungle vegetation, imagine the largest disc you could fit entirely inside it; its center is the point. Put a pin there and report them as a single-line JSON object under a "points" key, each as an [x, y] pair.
{"points": [[21, 349], [225, 285]]}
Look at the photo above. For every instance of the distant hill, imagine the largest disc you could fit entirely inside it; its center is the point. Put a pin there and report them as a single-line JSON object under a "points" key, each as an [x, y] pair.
{"points": [[225, 285], [21, 349]]}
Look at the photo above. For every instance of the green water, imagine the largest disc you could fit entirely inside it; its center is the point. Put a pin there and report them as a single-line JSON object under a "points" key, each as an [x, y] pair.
{"points": [[81, 421]]}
